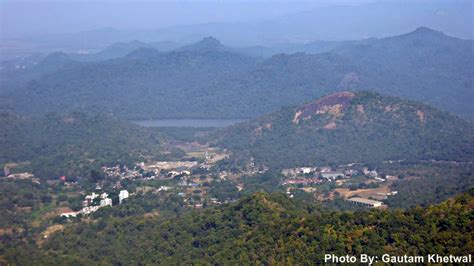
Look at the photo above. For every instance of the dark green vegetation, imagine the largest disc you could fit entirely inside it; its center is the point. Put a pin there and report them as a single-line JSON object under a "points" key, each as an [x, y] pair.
{"points": [[428, 183], [73, 145], [21, 200], [257, 229], [351, 127], [209, 80]]}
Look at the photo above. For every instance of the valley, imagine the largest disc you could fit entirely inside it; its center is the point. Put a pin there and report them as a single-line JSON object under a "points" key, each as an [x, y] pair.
{"points": [[176, 152], [194, 168]]}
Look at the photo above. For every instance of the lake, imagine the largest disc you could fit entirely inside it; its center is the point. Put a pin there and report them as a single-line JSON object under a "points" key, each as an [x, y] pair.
{"points": [[188, 122]]}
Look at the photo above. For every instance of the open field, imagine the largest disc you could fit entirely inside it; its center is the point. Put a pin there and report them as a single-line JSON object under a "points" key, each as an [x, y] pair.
{"points": [[376, 193]]}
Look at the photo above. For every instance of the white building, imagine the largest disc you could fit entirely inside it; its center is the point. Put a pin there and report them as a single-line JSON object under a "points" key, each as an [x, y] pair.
{"points": [[306, 170], [365, 202], [164, 188], [123, 195], [69, 214], [332, 175], [89, 209], [105, 202], [372, 173], [92, 196]]}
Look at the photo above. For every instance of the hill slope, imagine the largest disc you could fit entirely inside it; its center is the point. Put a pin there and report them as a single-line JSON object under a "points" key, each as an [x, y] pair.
{"points": [[351, 127], [259, 229], [143, 84], [73, 144]]}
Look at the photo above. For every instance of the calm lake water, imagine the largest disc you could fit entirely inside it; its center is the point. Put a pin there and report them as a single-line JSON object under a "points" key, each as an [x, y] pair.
{"points": [[188, 122]]}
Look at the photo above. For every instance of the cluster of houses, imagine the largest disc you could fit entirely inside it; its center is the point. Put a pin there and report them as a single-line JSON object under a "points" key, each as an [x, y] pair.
{"points": [[161, 169], [301, 181], [122, 172], [29, 176], [314, 175], [170, 168], [94, 202], [372, 174]]}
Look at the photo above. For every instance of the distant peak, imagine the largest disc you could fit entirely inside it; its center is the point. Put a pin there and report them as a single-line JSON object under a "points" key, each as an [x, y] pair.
{"points": [[426, 31], [142, 52], [137, 42], [209, 43], [206, 44], [210, 40], [56, 57]]}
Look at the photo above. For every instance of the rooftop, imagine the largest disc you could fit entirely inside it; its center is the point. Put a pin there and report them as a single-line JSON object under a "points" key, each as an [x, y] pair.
{"points": [[365, 201]]}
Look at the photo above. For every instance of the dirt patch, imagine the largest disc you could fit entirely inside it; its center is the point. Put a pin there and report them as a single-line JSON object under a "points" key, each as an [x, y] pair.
{"points": [[10, 230], [391, 108], [69, 119], [377, 193], [54, 213], [421, 116], [363, 193], [268, 126], [330, 125], [151, 214], [298, 114], [333, 104], [48, 232]]}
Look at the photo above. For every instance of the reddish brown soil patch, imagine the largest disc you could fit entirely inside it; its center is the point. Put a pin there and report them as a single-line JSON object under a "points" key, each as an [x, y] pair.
{"points": [[421, 116], [334, 104]]}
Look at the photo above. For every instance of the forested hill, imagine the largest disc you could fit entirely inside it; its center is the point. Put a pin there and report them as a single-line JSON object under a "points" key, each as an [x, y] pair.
{"points": [[208, 79], [72, 144], [259, 229], [351, 127]]}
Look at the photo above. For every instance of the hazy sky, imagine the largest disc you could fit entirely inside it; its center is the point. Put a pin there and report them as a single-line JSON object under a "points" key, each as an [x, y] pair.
{"points": [[23, 17]]}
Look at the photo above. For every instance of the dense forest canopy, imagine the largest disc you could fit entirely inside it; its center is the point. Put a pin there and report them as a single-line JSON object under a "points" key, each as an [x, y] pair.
{"points": [[261, 228]]}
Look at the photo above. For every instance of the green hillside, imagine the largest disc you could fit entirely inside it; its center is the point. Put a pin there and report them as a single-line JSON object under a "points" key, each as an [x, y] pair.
{"points": [[259, 229], [349, 127], [74, 144]]}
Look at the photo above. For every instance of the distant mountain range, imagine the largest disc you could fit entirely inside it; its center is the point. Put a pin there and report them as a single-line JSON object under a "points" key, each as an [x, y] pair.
{"points": [[208, 79], [121, 49], [335, 23], [348, 127]]}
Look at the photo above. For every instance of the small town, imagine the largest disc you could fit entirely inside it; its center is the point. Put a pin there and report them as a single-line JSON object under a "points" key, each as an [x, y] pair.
{"points": [[197, 180]]}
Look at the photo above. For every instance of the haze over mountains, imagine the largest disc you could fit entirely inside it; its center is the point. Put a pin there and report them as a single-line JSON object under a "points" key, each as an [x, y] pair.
{"points": [[315, 21], [208, 79]]}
